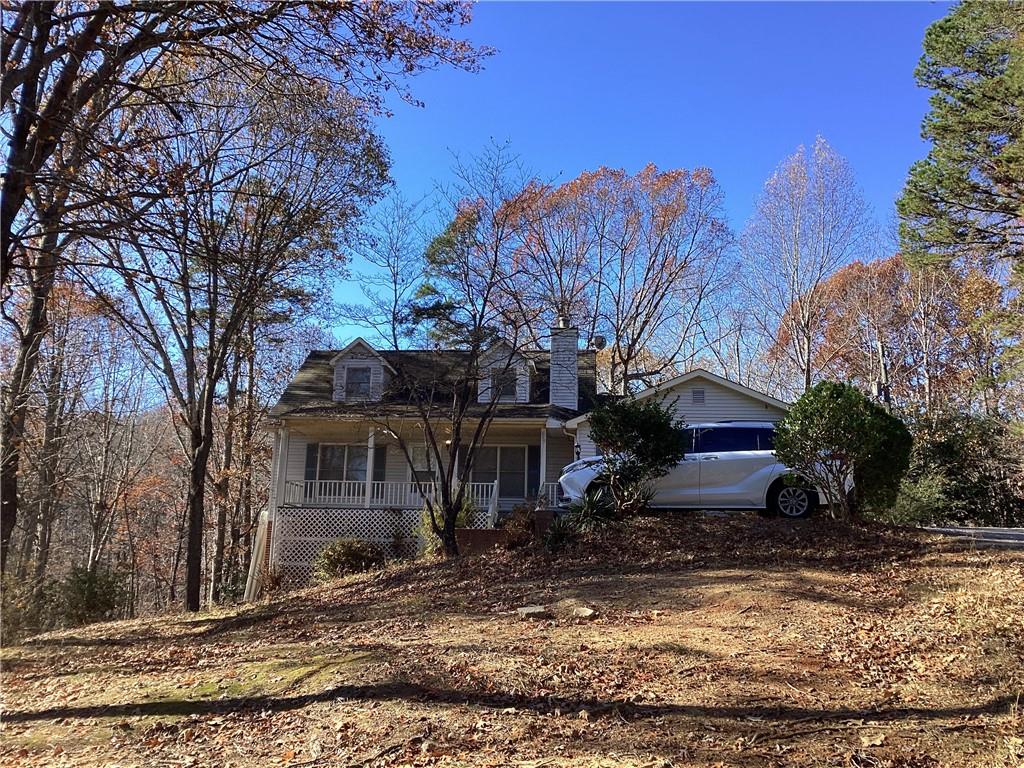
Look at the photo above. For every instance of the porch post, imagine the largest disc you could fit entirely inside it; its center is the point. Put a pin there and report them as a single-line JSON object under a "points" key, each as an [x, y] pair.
{"points": [[370, 442], [543, 479]]}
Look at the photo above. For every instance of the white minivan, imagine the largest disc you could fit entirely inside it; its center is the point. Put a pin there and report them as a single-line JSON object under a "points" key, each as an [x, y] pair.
{"points": [[728, 465]]}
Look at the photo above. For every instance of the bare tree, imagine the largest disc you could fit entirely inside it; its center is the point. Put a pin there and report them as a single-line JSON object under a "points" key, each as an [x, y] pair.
{"points": [[273, 188], [70, 67], [810, 220], [448, 295]]}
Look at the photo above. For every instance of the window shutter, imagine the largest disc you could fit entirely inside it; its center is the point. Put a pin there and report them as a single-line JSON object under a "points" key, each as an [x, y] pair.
{"points": [[339, 382], [532, 470], [311, 453], [380, 463]]}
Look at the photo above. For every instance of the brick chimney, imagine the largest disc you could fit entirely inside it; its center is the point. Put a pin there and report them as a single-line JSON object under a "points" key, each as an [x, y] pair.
{"points": [[565, 375]]}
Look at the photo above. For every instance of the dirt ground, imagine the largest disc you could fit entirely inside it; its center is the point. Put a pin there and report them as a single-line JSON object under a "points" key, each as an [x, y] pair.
{"points": [[718, 642]]}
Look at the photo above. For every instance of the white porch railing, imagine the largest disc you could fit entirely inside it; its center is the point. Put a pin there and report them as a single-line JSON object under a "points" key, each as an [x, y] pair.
{"points": [[379, 494], [547, 496]]}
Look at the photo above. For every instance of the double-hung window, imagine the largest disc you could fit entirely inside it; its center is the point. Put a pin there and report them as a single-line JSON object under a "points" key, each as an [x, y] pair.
{"points": [[503, 384], [357, 383], [422, 464]]}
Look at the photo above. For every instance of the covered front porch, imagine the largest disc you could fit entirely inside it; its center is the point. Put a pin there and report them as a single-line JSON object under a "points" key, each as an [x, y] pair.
{"points": [[350, 479], [345, 464]]}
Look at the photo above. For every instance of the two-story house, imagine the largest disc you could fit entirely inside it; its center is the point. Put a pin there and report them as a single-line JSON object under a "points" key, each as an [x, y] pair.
{"points": [[339, 469]]}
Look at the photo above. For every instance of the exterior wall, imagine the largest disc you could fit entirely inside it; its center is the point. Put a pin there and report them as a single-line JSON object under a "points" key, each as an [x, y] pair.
{"points": [[587, 447], [719, 403], [359, 357], [396, 468], [560, 452]]}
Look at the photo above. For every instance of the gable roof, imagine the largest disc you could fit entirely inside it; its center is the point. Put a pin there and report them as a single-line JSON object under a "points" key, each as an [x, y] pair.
{"points": [[697, 373], [359, 340]]}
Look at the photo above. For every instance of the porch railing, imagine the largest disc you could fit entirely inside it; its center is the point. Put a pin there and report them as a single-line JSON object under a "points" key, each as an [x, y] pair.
{"points": [[381, 494], [547, 496]]}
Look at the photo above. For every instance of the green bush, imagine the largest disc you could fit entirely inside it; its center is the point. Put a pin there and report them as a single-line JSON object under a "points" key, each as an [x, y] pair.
{"points": [[921, 500], [88, 596], [639, 440], [596, 510], [560, 534], [834, 434], [962, 471], [346, 556]]}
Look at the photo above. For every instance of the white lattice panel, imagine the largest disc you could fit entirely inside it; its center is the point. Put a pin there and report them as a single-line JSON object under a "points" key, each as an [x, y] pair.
{"points": [[301, 532]]}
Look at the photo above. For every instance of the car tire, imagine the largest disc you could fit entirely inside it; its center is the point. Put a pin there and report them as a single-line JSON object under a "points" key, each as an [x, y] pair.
{"points": [[790, 501]]}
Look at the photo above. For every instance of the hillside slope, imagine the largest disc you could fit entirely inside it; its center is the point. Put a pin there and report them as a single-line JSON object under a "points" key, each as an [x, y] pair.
{"points": [[718, 641]]}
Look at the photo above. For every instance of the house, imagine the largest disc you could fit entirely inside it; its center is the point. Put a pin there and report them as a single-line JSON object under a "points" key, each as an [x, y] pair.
{"points": [[338, 466]]}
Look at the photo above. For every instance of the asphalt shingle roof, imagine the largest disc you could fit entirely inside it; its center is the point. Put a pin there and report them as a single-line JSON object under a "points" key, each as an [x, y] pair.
{"points": [[311, 391]]}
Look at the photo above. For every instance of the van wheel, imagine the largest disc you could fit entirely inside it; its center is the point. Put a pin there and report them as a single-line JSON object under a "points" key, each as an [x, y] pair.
{"points": [[790, 501]]}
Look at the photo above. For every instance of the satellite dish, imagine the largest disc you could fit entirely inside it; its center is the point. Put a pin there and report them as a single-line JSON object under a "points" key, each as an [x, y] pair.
{"points": [[598, 342]]}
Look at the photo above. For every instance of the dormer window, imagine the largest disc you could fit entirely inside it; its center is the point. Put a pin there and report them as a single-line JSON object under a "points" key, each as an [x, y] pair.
{"points": [[503, 384], [357, 383]]}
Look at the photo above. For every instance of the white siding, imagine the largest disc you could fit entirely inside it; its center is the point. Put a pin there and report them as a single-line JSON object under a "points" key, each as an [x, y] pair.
{"points": [[564, 385], [560, 453], [719, 403], [355, 360], [587, 447]]}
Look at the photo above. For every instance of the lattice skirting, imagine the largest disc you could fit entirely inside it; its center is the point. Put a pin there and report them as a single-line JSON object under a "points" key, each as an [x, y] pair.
{"points": [[301, 532]]}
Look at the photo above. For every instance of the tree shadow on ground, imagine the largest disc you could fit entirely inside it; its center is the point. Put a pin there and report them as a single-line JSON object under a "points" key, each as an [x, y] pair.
{"points": [[425, 694]]}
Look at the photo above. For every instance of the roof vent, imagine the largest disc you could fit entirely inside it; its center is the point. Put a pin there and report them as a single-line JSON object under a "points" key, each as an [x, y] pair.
{"points": [[698, 396]]}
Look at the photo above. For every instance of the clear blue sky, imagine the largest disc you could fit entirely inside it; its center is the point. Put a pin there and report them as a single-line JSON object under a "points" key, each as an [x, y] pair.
{"points": [[731, 86]]}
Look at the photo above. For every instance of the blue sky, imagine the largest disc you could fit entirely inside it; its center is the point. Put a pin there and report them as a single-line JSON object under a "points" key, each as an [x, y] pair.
{"points": [[731, 86]]}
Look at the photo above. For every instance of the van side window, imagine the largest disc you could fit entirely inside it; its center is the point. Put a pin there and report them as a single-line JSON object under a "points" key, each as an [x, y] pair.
{"points": [[765, 439], [722, 439]]}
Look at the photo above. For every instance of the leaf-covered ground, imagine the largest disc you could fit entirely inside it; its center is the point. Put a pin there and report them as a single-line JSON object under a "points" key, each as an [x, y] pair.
{"points": [[719, 641]]}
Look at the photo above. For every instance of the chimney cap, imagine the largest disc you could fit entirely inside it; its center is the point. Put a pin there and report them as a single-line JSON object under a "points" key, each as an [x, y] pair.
{"points": [[563, 322]]}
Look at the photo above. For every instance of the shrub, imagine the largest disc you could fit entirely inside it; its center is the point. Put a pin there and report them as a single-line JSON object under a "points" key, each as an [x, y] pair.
{"points": [[519, 526], [596, 510], [346, 556], [962, 471], [89, 596], [834, 434], [560, 534], [639, 440]]}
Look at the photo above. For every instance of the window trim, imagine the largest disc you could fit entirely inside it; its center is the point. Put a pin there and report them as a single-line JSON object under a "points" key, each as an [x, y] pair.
{"points": [[513, 373]]}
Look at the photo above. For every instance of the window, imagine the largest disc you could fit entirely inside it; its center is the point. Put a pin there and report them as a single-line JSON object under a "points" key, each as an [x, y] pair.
{"points": [[341, 462], [422, 464], [765, 439], [698, 396], [722, 439], [508, 465], [357, 383], [503, 384]]}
